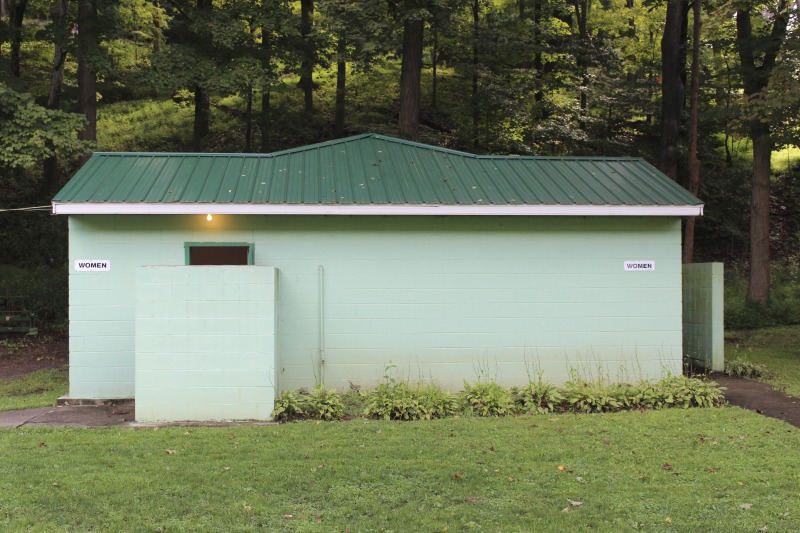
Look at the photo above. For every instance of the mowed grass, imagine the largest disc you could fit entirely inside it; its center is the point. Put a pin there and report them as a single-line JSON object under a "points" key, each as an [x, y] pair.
{"points": [[678, 470], [777, 348], [38, 389]]}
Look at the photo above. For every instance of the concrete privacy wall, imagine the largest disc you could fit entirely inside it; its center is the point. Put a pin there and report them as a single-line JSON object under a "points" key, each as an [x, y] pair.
{"points": [[205, 343], [441, 298], [703, 315]]}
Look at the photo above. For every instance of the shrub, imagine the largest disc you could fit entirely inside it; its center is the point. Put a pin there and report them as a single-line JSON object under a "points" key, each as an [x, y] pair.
{"points": [[681, 391], [398, 401], [594, 396], [320, 403], [745, 369], [537, 398], [288, 406], [487, 398], [323, 404]]}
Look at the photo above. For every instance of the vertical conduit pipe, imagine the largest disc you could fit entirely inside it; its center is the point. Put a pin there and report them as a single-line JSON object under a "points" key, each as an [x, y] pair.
{"points": [[321, 326]]}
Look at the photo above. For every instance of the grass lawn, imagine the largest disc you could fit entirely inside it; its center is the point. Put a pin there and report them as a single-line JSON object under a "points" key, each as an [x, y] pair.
{"points": [[678, 470], [778, 348], [37, 389]]}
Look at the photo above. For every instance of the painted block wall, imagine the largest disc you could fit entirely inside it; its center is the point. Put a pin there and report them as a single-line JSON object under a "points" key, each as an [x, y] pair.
{"points": [[204, 343], [439, 298], [703, 315]]}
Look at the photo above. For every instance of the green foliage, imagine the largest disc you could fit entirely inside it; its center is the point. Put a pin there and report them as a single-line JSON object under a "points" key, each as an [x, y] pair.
{"points": [[743, 368], [487, 398], [44, 289], [537, 397], [684, 392], [782, 309], [288, 406], [594, 396], [399, 401], [30, 133], [318, 404]]}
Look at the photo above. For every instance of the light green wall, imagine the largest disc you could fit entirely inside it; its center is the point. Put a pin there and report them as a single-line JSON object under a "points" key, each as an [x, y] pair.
{"points": [[205, 343], [441, 298], [703, 315]]}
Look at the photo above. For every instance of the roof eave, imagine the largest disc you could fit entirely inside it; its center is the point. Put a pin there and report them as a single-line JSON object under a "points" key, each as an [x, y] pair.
{"points": [[107, 208]]}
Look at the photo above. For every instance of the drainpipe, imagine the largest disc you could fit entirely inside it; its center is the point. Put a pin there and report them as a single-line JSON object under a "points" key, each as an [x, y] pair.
{"points": [[321, 326]]}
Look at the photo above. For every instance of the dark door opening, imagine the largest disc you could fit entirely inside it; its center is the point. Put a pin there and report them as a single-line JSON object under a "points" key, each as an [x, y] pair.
{"points": [[219, 255]]}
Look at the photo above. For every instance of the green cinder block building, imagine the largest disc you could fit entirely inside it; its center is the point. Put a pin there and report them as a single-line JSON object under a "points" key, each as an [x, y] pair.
{"points": [[203, 284]]}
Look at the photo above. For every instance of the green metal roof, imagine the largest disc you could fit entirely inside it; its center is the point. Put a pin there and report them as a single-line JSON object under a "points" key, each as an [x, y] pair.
{"points": [[370, 174]]}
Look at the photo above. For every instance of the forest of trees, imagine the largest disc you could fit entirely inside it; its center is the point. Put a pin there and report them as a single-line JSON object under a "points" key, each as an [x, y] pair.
{"points": [[707, 91]]}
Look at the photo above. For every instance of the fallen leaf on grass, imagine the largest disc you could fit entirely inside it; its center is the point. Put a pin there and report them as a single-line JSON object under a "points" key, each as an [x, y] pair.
{"points": [[119, 412], [171, 452], [312, 484], [711, 470], [667, 466], [579, 479], [457, 476], [472, 500], [288, 516], [574, 503], [668, 520], [225, 468], [42, 445], [248, 508], [746, 506]]}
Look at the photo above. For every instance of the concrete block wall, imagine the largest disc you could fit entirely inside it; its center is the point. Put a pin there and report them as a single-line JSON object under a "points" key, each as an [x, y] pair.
{"points": [[441, 298], [703, 315], [205, 343]]}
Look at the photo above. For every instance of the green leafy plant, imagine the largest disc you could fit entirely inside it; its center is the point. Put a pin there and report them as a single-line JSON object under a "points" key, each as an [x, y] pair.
{"points": [[324, 404], [684, 392], [594, 396], [399, 401], [745, 369], [487, 398], [288, 406], [537, 397]]}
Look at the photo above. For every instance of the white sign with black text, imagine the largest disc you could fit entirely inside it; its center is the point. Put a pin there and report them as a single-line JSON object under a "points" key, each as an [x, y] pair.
{"points": [[647, 266], [92, 265]]}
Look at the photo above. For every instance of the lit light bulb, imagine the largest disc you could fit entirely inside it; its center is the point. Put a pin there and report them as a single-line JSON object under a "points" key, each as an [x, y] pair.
{"points": [[209, 218]]}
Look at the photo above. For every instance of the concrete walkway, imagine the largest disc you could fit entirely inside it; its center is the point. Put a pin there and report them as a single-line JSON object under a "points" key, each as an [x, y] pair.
{"points": [[70, 416]]}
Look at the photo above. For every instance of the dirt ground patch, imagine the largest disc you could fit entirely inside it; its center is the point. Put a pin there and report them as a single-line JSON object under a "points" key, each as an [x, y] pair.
{"points": [[21, 354]]}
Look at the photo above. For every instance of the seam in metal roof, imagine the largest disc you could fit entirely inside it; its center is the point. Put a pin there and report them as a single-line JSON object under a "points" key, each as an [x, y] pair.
{"points": [[371, 174]]}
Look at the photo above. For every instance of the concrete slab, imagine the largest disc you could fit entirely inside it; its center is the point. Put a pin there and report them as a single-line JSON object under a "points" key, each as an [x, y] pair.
{"points": [[84, 416], [15, 419]]}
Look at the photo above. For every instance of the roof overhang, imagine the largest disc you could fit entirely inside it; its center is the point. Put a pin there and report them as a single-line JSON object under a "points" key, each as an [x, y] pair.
{"points": [[104, 208]]}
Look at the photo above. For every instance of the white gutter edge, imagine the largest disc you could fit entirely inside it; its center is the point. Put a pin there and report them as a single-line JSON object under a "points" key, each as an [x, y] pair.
{"points": [[66, 208]]}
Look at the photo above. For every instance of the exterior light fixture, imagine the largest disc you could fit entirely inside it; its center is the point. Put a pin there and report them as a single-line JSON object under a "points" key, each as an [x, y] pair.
{"points": [[209, 217]]}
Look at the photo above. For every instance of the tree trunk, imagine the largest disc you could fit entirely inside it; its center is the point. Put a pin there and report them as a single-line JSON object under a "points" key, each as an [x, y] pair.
{"points": [[16, 16], [673, 85], [341, 84], [248, 130], [87, 77], [410, 74], [202, 117], [202, 105], [759, 282], [50, 176], [475, 37], [266, 64], [756, 78], [434, 66], [694, 114], [307, 62]]}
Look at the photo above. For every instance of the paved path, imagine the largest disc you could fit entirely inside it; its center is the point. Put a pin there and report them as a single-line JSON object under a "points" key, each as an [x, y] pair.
{"points": [[761, 398], [70, 416]]}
